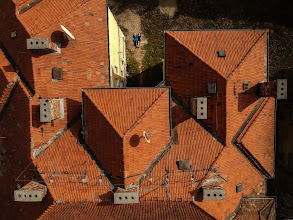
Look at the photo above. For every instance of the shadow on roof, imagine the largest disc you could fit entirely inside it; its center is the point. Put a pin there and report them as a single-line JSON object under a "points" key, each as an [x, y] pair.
{"points": [[247, 98], [20, 57]]}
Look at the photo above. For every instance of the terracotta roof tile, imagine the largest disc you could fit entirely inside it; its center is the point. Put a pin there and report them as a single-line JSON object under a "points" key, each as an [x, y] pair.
{"points": [[194, 144], [206, 43], [143, 210], [45, 14], [231, 169], [128, 105], [67, 163], [260, 141], [123, 115]]}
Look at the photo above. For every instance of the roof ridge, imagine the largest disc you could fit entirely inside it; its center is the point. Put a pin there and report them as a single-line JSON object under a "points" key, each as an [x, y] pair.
{"points": [[245, 56], [105, 116], [242, 149], [144, 113], [154, 162], [195, 55], [248, 119], [254, 117], [58, 135], [211, 166]]}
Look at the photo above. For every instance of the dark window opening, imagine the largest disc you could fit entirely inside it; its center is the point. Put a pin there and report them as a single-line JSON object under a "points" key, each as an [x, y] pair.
{"points": [[57, 73]]}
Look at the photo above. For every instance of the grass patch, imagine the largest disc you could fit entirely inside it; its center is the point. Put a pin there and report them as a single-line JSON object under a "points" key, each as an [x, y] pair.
{"points": [[132, 64], [153, 29]]}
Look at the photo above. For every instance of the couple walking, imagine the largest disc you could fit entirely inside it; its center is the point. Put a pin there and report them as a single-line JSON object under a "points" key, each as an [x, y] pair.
{"points": [[136, 40]]}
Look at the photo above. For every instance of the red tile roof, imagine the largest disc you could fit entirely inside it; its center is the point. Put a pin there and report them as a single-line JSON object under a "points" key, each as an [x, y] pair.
{"points": [[194, 144], [254, 135], [123, 115], [143, 210], [205, 44], [192, 62], [67, 164], [124, 108]]}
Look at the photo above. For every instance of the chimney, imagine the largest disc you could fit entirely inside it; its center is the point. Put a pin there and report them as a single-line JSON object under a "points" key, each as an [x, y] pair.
{"points": [[51, 109], [267, 89], [42, 45], [31, 192], [277, 89]]}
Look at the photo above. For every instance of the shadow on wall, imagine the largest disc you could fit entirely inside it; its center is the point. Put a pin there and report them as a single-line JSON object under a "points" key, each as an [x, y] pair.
{"points": [[150, 77]]}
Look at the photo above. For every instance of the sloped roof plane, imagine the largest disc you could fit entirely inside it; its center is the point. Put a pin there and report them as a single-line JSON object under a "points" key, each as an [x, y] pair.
{"points": [[206, 43], [126, 115]]}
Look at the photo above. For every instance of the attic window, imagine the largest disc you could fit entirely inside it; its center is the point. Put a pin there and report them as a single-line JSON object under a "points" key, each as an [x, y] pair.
{"points": [[239, 188], [183, 164], [221, 53], [57, 73]]}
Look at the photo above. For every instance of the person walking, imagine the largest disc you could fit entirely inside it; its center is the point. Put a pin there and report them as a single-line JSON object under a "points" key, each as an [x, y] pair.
{"points": [[138, 39], [135, 39]]}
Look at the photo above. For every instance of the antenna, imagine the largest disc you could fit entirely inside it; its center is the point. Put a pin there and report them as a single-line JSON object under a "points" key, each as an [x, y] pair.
{"points": [[145, 135], [67, 32]]}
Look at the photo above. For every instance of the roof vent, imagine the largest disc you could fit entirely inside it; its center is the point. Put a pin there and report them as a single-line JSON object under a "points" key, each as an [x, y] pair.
{"points": [[42, 44], [51, 109], [282, 89], [183, 164], [245, 85], [126, 197], [221, 53], [57, 73], [212, 88], [213, 194], [31, 192], [239, 188], [201, 112], [14, 34]]}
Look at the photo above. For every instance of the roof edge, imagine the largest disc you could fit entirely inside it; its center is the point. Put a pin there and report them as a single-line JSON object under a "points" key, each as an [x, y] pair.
{"points": [[241, 148]]}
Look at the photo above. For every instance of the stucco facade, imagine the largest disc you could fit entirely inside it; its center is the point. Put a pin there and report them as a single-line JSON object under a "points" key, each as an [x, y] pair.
{"points": [[116, 53]]}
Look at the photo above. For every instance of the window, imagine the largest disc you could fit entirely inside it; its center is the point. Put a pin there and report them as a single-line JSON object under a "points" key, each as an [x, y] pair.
{"points": [[116, 69], [116, 83], [57, 73]]}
